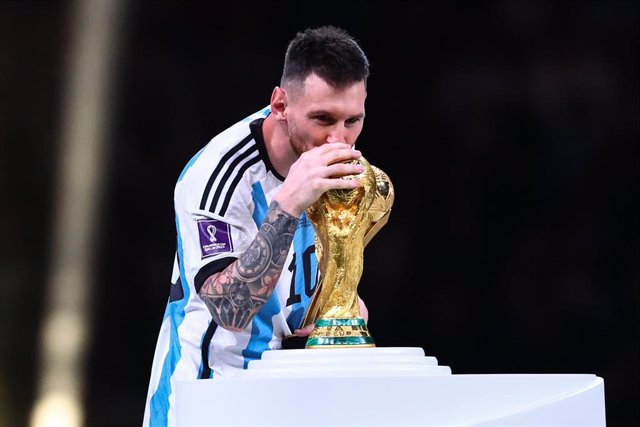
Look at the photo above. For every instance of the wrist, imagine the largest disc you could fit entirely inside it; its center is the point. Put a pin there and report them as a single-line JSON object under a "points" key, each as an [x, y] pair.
{"points": [[286, 205]]}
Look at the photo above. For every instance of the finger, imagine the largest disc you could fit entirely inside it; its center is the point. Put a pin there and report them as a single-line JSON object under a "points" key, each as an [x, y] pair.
{"points": [[335, 151], [304, 332], [324, 148], [344, 169], [364, 312], [340, 155], [340, 184]]}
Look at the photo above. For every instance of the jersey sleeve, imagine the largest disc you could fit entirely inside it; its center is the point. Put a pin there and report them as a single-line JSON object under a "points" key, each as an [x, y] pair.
{"points": [[209, 241]]}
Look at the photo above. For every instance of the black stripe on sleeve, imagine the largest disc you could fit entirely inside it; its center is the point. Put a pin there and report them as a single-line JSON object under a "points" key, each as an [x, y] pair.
{"points": [[235, 182], [219, 167], [204, 350], [207, 270], [227, 175], [176, 293]]}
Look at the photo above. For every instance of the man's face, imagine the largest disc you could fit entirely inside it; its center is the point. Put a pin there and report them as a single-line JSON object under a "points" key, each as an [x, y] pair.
{"points": [[319, 113]]}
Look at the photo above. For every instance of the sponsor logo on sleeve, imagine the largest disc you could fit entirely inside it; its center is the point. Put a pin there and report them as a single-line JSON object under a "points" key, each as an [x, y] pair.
{"points": [[215, 237]]}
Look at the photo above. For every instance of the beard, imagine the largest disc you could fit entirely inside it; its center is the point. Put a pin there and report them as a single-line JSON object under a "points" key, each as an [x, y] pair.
{"points": [[297, 143]]}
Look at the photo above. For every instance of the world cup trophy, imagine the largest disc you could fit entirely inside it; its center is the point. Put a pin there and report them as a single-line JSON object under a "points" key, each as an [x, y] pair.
{"points": [[345, 222]]}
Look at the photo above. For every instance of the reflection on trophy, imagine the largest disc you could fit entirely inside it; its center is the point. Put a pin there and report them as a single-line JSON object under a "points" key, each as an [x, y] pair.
{"points": [[345, 222]]}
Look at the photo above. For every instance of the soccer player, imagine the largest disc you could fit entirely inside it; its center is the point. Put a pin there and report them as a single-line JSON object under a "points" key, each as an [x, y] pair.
{"points": [[245, 267]]}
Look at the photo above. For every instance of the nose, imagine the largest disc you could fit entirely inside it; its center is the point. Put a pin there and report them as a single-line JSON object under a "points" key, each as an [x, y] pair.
{"points": [[337, 134]]}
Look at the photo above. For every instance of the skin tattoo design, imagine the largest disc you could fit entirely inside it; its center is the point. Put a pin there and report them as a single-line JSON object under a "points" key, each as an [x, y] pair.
{"points": [[235, 294]]}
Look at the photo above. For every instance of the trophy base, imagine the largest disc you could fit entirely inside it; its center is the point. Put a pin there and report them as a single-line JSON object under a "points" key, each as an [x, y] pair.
{"points": [[331, 333]]}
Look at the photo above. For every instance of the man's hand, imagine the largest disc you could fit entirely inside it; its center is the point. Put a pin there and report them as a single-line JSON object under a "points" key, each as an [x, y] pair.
{"points": [[304, 332], [316, 171], [364, 311]]}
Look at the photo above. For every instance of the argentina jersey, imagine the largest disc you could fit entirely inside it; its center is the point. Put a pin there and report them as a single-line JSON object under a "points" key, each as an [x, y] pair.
{"points": [[221, 199]]}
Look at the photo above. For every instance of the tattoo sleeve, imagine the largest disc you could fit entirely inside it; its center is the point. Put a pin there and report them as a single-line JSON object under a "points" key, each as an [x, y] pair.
{"points": [[237, 293]]}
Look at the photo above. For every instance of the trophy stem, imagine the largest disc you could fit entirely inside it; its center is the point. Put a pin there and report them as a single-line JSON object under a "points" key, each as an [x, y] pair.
{"points": [[331, 333]]}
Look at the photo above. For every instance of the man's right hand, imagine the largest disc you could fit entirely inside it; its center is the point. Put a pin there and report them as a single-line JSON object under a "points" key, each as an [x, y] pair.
{"points": [[316, 171]]}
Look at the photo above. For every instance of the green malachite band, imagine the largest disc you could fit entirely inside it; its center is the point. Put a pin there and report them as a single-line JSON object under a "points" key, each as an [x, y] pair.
{"points": [[340, 322], [339, 341], [340, 333]]}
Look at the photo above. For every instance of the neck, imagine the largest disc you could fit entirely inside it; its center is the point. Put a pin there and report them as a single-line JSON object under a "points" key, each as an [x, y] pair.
{"points": [[279, 149]]}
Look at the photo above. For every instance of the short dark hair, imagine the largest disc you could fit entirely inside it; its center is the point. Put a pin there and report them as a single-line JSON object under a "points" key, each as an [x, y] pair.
{"points": [[329, 52]]}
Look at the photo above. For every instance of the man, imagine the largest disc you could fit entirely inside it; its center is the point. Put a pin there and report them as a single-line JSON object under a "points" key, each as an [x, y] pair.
{"points": [[245, 266]]}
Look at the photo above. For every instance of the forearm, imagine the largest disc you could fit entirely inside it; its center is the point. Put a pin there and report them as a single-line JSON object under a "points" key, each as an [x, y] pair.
{"points": [[237, 293]]}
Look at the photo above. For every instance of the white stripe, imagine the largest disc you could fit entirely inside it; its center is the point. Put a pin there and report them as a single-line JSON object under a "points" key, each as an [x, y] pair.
{"points": [[231, 178]]}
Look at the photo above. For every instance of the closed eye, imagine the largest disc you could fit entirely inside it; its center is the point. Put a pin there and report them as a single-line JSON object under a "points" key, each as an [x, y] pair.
{"points": [[324, 119]]}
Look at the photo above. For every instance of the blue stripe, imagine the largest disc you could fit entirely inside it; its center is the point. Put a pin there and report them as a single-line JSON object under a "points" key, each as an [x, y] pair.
{"points": [[260, 203], [303, 238], [159, 404], [263, 113], [262, 324], [261, 330]]}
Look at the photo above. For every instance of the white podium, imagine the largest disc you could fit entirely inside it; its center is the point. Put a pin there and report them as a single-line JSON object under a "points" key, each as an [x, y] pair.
{"points": [[392, 386]]}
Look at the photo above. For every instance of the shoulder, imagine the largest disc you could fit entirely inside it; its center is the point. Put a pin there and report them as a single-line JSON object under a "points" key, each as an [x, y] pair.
{"points": [[228, 144], [222, 162]]}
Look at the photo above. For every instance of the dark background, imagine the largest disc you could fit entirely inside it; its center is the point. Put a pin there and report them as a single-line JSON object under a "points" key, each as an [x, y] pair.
{"points": [[509, 130]]}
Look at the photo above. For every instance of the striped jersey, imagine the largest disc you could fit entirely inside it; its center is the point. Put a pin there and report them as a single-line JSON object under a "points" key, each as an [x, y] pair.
{"points": [[221, 199]]}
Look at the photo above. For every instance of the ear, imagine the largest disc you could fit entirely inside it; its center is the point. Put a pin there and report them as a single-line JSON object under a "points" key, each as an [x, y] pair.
{"points": [[278, 103]]}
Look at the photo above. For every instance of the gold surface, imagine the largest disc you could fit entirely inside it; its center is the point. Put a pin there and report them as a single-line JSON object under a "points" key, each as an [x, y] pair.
{"points": [[345, 222], [340, 331]]}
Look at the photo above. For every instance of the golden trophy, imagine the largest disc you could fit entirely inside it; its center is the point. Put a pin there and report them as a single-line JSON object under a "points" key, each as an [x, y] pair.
{"points": [[345, 222]]}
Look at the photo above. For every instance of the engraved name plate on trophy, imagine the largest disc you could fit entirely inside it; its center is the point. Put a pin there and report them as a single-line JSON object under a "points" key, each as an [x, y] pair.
{"points": [[345, 222]]}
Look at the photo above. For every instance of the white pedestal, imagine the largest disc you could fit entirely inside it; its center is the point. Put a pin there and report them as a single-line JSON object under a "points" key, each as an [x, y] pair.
{"points": [[394, 386]]}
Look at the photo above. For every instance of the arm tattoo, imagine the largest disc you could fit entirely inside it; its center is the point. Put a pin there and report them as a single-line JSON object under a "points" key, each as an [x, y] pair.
{"points": [[237, 293]]}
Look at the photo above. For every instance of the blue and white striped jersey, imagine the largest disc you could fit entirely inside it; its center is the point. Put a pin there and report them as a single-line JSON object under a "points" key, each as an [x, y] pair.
{"points": [[221, 199]]}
